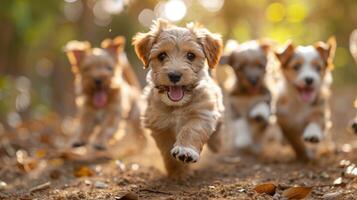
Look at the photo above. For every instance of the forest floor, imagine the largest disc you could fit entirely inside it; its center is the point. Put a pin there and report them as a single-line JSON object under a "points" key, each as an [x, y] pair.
{"points": [[32, 166]]}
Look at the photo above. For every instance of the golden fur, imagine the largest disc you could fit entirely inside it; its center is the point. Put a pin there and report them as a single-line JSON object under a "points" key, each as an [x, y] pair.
{"points": [[249, 99], [182, 126], [302, 108], [106, 91]]}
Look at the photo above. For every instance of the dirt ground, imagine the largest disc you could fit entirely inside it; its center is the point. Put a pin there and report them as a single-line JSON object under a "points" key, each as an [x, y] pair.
{"points": [[33, 166]]}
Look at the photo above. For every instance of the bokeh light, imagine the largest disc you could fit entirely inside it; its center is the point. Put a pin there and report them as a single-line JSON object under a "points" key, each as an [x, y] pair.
{"points": [[175, 10], [275, 12], [212, 5], [296, 12], [146, 17]]}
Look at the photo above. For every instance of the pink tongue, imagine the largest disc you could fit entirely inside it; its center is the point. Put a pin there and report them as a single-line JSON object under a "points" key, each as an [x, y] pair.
{"points": [[307, 95], [100, 99], [175, 93]]}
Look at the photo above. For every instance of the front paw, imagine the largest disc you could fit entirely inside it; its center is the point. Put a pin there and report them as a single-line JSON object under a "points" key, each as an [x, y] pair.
{"points": [[185, 154], [313, 133], [260, 112]]}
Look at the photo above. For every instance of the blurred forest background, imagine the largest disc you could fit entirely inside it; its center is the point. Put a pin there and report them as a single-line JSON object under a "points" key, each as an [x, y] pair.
{"points": [[35, 77]]}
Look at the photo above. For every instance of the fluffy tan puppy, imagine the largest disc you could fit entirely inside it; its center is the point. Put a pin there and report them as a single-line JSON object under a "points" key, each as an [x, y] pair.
{"points": [[185, 105]]}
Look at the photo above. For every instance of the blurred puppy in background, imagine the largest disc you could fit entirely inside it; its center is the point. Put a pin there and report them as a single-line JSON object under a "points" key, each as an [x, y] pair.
{"points": [[302, 106], [249, 99], [353, 49], [106, 91], [185, 106]]}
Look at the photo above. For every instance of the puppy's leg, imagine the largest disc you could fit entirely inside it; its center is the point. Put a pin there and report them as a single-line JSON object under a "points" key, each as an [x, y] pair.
{"points": [[87, 124], [314, 131], [260, 113], [190, 140], [109, 126], [242, 134], [215, 141], [165, 142]]}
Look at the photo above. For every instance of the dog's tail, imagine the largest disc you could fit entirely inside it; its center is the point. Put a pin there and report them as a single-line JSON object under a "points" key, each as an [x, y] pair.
{"points": [[128, 72]]}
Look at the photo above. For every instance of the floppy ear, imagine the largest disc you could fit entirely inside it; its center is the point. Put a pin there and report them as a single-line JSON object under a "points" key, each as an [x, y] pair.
{"points": [[143, 42], [285, 53], [76, 51], [212, 46], [114, 46], [327, 50], [266, 45], [353, 44]]}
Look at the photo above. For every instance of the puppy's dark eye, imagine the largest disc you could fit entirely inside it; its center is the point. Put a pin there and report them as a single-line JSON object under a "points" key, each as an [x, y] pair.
{"points": [[190, 56], [318, 68], [109, 68], [162, 56], [296, 67]]}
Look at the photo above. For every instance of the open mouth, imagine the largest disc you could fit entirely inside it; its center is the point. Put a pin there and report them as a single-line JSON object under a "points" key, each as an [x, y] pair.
{"points": [[100, 98], [175, 93], [307, 94]]}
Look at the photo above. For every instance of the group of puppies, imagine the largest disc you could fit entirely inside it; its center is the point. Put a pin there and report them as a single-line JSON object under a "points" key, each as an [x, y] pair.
{"points": [[184, 106]]}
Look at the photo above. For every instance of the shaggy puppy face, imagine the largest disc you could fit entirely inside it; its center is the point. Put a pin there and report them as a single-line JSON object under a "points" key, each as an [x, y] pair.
{"points": [[305, 67], [177, 58], [249, 61]]}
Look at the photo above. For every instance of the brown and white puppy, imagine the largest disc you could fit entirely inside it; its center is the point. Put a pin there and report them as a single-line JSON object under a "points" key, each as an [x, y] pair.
{"points": [[302, 105], [106, 90], [353, 49], [249, 98], [185, 106]]}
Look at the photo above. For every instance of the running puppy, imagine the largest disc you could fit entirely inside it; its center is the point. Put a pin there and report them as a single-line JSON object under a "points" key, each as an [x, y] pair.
{"points": [[249, 98], [106, 90], [184, 103], [302, 106]]}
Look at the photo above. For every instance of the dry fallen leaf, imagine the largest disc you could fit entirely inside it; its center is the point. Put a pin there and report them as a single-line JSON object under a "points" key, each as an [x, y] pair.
{"points": [[297, 192], [128, 196], [83, 171], [267, 188]]}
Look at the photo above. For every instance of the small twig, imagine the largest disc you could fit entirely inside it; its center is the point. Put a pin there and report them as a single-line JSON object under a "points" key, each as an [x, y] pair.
{"points": [[156, 191], [41, 187]]}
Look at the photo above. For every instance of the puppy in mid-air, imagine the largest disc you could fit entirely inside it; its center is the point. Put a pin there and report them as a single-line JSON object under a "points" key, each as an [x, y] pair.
{"points": [[185, 106], [353, 49], [106, 91], [302, 106], [249, 99]]}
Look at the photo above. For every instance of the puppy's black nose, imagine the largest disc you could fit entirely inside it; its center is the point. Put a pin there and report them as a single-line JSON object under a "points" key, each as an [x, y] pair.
{"points": [[98, 82], [309, 80], [174, 76], [253, 80]]}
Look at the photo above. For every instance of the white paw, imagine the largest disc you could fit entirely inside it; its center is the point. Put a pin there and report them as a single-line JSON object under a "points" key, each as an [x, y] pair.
{"points": [[313, 133], [261, 110], [241, 134], [185, 154]]}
